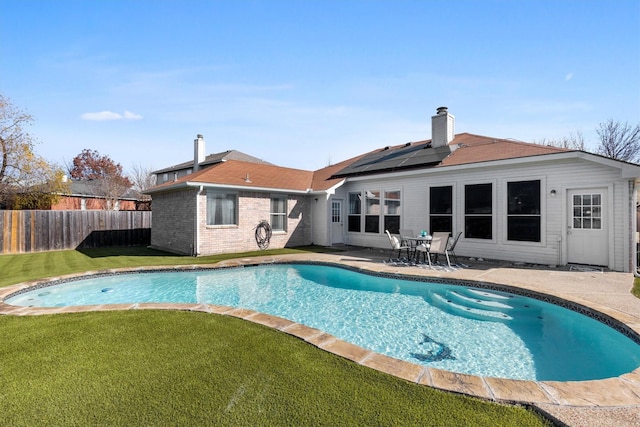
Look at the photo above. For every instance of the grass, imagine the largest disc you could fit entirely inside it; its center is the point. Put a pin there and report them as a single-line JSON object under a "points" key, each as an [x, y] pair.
{"points": [[25, 267], [182, 368], [636, 287]]}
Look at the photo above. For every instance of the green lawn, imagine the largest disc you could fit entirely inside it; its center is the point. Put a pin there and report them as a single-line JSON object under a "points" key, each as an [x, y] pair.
{"points": [[636, 287], [182, 368]]}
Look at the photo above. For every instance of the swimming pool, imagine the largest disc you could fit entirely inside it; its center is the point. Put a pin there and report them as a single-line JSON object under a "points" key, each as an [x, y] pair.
{"points": [[457, 328]]}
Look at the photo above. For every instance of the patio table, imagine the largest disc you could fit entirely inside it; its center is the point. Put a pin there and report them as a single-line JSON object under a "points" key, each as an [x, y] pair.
{"points": [[418, 240]]}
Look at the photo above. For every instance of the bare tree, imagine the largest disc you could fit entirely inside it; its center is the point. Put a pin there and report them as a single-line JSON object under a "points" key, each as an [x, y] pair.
{"points": [[571, 142], [142, 177], [142, 180], [619, 141], [26, 179]]}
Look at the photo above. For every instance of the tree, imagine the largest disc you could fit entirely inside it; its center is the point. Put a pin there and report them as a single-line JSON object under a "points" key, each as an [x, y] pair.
{"points": [[571, 142], [142, 177], [26, 179], [142, 180], [619, 141], [107, 175]]}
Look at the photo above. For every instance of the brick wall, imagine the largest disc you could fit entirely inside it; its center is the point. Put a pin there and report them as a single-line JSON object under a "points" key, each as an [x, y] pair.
{"points": [[254, 207], [173, 221]]}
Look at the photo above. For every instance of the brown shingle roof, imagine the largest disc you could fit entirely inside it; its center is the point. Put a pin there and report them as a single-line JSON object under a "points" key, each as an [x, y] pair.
{"points": [[237, 173], [471, 149], [323, 178], [477, 148]]}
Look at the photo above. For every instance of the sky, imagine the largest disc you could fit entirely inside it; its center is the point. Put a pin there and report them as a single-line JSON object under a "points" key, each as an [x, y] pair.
{"points": [[304, 84]]}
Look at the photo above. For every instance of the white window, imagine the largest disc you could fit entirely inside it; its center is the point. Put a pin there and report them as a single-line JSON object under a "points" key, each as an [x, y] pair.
{"points": [[391, 211], [587, 211], [278, 213], [478, 211], [355, 212], [222, 208], [372, 211]]}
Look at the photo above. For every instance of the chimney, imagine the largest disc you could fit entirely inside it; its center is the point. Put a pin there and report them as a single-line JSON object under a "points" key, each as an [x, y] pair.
{"points": [[198, 152], [442, 127]]}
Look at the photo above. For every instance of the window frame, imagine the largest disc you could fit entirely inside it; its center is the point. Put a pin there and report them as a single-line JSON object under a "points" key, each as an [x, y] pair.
{"points": [[587, 212], [284, 198], [446, 215], [354, 218], [528, 215], [392, 221], [371, 218], [227, 195], [478, 215]]}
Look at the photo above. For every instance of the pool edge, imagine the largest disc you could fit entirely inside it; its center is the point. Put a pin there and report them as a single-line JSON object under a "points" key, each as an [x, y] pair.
{"points": [[622, 391]]}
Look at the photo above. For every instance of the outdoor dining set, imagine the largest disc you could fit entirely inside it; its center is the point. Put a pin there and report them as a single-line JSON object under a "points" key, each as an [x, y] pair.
{"points": [[424, 245]]}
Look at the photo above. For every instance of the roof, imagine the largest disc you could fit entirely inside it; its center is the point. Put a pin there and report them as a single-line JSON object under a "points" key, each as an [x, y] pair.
{"points": [[465, 148], [241, 174], [91, 188], [476, 149], [326, 178], [213, 159], [406, 156]]}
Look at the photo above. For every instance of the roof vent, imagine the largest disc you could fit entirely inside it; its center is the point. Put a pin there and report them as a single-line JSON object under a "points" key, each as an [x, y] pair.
{"points": [[407, 144], [246, 178]]}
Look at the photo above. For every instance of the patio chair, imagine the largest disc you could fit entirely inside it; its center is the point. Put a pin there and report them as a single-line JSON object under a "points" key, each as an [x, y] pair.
{"points": [[404, 237], [423, 248], [439, 244], [451, 245], [396, 245]]}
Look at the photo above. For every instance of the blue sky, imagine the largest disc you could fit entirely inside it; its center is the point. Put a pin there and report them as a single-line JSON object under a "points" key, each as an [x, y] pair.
{"points": [[306, 83]]}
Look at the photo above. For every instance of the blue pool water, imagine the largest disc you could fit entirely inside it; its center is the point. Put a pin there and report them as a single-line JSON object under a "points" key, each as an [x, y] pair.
{"points": [[456, 328]]}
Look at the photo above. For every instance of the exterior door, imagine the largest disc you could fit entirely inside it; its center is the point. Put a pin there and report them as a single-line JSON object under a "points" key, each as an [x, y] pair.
{"points": [[337, 226], [587, 236]]}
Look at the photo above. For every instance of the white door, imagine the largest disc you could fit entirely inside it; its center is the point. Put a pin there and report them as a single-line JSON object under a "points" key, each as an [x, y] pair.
{"points": [[587, 237], [336, 222]]}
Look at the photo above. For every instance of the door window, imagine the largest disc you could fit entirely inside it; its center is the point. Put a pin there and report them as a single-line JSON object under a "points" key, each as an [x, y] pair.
{"points": [[587, 211], [335, 212]]}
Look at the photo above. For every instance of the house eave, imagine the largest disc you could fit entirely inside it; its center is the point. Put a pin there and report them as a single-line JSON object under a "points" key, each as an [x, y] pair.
{"points": [[628, 170], [195, 184], [330, 190]]}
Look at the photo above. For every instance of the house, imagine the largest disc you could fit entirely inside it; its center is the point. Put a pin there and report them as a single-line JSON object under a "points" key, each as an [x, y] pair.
{"points": [[87, 195], [200, 161], [511, 200]]}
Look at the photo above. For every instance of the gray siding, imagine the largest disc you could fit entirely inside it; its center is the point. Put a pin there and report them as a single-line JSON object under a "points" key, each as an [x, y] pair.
{"points": [[559, 175]]}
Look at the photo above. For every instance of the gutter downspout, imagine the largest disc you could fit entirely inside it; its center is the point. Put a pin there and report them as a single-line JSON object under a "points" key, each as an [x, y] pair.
{"points": [[196, 243]]}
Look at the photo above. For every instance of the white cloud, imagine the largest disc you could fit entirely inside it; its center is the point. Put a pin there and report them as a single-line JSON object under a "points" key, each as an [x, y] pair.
{"points": [[110, 115], [568, 77], [132, 116]]}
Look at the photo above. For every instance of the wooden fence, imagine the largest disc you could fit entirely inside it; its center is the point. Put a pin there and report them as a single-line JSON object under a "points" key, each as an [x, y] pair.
{"points": [[36, 231]]}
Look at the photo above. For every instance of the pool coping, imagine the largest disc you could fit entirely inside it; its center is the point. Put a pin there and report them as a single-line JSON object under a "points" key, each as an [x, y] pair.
{"points": [[622, 391]]}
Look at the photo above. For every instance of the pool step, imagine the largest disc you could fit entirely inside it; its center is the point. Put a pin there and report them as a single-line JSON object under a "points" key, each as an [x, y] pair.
{"points": [[479, 302], [476, 313], [488, 294]]}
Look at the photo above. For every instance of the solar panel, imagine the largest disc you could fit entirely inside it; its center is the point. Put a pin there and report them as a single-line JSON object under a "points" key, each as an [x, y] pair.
{"points": [[404, 157]]}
